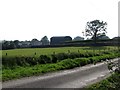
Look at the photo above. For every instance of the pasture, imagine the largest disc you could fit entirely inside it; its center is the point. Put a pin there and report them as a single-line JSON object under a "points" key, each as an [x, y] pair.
{"points": [[49, 51], [39, 51]]}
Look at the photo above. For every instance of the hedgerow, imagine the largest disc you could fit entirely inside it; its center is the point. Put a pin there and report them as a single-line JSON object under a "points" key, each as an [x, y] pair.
{"points": [[18, 72], [12, 62]]}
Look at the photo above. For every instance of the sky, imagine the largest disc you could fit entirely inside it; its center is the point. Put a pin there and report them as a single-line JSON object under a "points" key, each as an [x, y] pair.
{"points": [[28, 19]]}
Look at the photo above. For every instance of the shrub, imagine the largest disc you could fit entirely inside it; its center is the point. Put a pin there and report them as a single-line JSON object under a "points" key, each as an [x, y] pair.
{"points": [[61, 56], [9, 62], [73, 55], [12, 62], [31, 60], [68, 64], [54, 58], [43, 59], [83, 62], [10, 73]]}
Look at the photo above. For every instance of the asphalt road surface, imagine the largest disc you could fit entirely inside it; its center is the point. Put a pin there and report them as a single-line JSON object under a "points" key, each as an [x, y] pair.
{"points": [[73, 78]]}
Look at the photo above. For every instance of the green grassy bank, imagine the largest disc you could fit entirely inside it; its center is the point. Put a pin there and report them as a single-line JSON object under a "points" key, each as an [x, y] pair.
{"points": [[20, 63]]}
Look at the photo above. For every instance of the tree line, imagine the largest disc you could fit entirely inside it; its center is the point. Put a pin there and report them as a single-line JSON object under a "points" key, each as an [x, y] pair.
{"points": [[17, 44], [94, 30]]}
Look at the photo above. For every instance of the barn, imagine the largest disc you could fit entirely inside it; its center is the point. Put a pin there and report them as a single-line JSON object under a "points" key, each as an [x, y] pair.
{"points": [[57, 40]]}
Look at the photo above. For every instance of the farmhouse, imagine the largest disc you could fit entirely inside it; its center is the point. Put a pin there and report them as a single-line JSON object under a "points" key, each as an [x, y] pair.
{"points": [[35, 42], [59, 40], [24, 44]]}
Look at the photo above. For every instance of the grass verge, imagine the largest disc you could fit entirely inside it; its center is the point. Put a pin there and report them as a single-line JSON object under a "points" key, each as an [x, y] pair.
{"points": [[110, 83]]}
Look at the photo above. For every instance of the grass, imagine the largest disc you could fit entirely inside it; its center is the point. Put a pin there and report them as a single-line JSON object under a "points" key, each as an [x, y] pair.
{"points": [[18, 72], [110, 83], [49, 51], [39, 51], [24, 70]]}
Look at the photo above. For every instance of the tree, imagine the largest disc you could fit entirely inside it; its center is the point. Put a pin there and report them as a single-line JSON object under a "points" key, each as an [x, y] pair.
{"points": [[12, 45], [16, 42], [8, 45], [95, 28], [34, 39], [102, 37], [45, 40], [5, 45]]}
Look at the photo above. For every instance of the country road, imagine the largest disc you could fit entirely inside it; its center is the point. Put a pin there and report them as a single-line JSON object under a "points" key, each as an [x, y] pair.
{"points": [[73, 78]]}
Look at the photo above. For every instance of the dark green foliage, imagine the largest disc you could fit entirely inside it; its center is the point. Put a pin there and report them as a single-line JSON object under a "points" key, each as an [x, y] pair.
{"points": [[33, 68], [20, 61], [54, 58], [43, 59], [11, 62], [83, 62], [8, 45], [73, 55], [111, 83], [31, 60], [61, 56], [8, 62]]}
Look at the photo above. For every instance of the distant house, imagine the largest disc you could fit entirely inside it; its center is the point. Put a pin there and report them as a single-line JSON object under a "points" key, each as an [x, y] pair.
{"points": [[59, 40], [103, 37], [20, 44], [35, 42], [24, 44], [116, 38], [78, 38]]}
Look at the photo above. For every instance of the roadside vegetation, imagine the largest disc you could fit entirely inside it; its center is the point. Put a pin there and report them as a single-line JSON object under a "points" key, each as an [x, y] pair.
{"points": [[14, 66], [110, 83]]}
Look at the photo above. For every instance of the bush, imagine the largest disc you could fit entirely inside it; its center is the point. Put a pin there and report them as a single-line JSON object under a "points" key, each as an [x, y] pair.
{"points": [[43, 59], [83, 62], [54, 58], [31, 61], [61, 56], [73, 55]]}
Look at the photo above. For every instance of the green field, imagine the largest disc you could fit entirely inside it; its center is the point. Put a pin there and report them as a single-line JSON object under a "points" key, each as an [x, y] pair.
{"points": [[39, 51], [49, 51]]}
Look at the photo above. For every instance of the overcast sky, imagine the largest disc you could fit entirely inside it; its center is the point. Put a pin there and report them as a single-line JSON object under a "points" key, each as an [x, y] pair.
{"points": [[28, 19]]}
